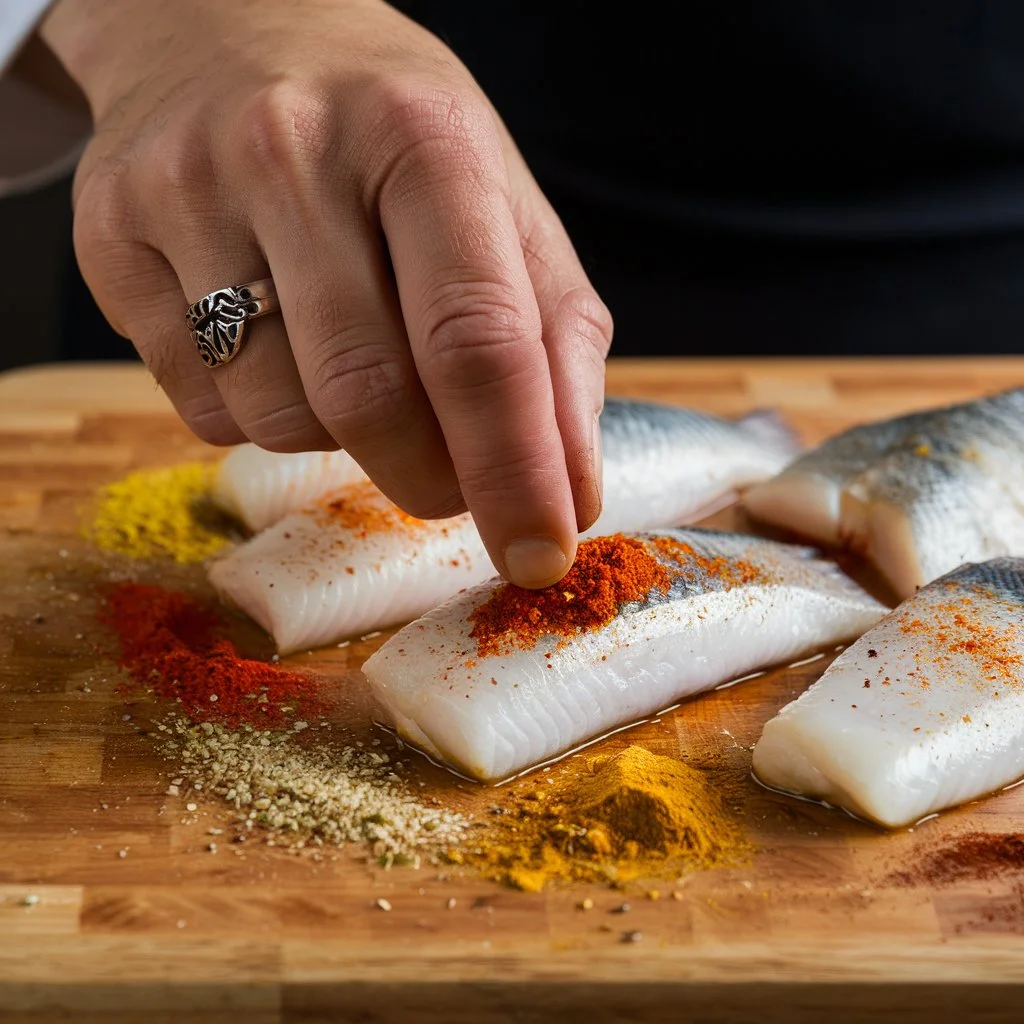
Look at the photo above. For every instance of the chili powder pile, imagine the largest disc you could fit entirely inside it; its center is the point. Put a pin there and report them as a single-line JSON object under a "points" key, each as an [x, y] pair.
{"points": [[172, 646], [608, 573]]}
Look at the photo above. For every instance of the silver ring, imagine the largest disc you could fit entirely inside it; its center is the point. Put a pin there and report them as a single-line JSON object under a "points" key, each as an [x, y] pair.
{"points": [[217, 321]]}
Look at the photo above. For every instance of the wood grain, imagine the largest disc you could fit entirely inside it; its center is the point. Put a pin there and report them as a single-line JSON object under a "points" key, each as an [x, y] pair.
{"points": [[170, 932]]}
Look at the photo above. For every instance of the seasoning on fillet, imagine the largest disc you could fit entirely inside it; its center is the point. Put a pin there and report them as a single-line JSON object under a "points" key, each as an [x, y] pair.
{"points": [[497, 679]]}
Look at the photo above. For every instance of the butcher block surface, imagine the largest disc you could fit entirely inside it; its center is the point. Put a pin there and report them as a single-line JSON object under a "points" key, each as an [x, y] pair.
{"points": [[810, 929]]}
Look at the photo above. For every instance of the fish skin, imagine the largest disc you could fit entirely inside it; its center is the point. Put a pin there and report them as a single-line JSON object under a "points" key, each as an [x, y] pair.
{"points": [[397, 578], [917, 495], [494, 716], [669, 466], [931, 729], [260, 487]]}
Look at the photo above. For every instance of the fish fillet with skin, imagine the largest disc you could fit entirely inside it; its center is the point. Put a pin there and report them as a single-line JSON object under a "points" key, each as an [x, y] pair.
{"points": [[663, 465], [316, 577], [260, 487], [918, 495], [668, 466], [923, 712], [736, 604]]}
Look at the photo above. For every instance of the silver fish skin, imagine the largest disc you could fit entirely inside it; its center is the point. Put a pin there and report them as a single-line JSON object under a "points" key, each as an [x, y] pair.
{"points": [[491, 716], [669, 466], [923, 712], [917, 495]]}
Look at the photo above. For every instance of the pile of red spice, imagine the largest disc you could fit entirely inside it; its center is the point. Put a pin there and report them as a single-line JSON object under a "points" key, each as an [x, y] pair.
{"points": [[974, 856], [172, 646], [608, 573]]}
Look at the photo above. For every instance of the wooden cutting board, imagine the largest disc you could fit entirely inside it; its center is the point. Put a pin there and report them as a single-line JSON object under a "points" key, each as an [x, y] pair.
{"points": [[171, 932]]}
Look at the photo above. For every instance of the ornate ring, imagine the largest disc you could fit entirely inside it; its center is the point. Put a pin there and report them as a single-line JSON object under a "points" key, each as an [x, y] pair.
{"points": [[217, 321]]}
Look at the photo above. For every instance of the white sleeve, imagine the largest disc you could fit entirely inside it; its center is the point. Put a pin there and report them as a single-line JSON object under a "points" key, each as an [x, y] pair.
{"points": [[39, 139]]}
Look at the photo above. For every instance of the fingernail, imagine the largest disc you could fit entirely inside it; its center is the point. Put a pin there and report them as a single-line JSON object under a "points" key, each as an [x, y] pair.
{"points": [[535, 561], [598, 462]]}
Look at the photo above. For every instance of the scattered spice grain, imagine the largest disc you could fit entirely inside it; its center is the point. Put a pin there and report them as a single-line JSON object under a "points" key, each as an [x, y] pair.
{"points": [[972, 856], [324, 796]]}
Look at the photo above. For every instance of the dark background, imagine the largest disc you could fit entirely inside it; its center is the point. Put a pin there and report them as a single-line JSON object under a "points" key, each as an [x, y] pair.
{"points": [[771, 177]]}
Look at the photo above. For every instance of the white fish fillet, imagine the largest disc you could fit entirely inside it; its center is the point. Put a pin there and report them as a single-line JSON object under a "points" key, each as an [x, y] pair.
{"points": [[669, 466], [925, 711], [259, 487], [663, 466], [492, 716], [323, 574], [918, 495]]}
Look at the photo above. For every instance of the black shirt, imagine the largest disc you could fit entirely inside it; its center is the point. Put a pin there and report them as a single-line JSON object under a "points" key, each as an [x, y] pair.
{"points": [[773, 175]]}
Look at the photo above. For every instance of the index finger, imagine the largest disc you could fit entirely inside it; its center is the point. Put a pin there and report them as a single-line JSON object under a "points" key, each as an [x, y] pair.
{"points": [[475, 332]]}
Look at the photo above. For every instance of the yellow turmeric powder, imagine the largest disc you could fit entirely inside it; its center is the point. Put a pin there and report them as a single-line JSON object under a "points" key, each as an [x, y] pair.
{"points": [[159, 512], [633, 815]]}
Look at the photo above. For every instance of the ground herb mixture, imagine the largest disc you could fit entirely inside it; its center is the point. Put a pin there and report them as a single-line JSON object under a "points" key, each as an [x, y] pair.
{"points": [[299, 797], [156, 513], [633, 815]]}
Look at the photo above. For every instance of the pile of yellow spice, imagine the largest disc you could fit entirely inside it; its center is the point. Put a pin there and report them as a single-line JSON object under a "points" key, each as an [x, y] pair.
{"points": [[632, 815], [160, 513]]}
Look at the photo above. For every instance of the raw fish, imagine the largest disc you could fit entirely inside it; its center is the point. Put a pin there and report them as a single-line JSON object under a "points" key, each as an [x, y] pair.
{"points": [[918, 495], [736, 604], [318, 576], [259, 487], [348, 564], [925, 711], [663, 466], [669, 466]]}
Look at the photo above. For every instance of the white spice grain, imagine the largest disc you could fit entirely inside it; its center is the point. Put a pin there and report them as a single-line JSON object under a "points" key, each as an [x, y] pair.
{"points": [[190, 807], [383, 904], [29, 900]]}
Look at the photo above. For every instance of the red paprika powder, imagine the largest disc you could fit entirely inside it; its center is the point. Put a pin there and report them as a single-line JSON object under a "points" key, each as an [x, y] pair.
{"points": [[608, 573], [171, 646]]}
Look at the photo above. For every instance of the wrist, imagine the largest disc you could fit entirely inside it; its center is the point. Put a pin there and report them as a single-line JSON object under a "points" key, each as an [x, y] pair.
{"points": [[81, 35]]}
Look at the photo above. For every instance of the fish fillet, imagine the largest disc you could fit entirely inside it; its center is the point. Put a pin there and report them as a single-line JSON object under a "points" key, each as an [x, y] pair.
{"points": [[664, 465], [350, 563], [736, 604], [925, 711], [918, 495], [260, 487], [317, 575], [668, 466]]}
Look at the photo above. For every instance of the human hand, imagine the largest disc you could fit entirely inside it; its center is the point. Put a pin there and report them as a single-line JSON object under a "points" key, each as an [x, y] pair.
{"points": [[436, 321]]}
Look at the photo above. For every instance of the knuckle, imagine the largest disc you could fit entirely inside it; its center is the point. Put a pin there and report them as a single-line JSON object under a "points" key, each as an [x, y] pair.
{"points": [[411, 111], [103, 218], [478, 333], [588, 320], [286, 427], [177, 163], [361, 389], [211, 423], [287, 128], [508, 477]]}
